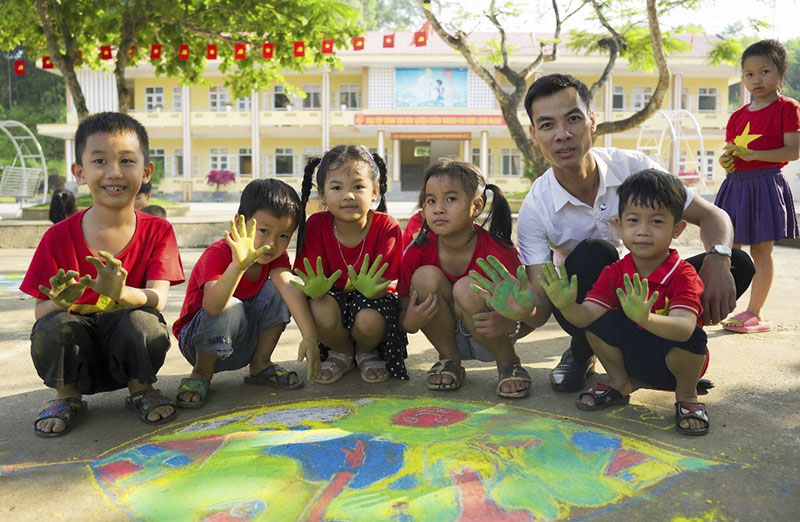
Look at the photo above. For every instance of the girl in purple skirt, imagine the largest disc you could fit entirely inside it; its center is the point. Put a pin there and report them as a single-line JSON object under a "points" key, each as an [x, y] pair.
{"points": [[762, 137]]}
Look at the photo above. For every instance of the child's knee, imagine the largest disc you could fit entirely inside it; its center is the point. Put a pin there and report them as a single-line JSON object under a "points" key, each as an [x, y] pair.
{"points": [[466, 298], [428, 279], [369, 322], [326, 313]]}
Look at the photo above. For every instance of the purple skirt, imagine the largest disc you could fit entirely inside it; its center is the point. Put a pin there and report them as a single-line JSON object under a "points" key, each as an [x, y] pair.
{"points": [[760, 205]]}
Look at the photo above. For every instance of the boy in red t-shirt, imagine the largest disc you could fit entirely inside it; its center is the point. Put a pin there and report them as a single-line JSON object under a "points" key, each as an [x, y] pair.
{"points": [[239, 298], [664, 348], [100, 279]]}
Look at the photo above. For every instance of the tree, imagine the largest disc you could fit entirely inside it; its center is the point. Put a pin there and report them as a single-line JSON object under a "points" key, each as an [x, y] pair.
{"points": [[72, 32], [388, 14], [614, 41], [792, 79]]}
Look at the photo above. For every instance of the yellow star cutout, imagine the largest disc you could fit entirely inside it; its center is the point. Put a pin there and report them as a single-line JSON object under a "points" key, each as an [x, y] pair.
{"points": [[744, 139]]}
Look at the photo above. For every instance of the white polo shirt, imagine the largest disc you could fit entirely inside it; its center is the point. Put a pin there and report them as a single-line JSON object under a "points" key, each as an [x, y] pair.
{"points": [[553, 219]]}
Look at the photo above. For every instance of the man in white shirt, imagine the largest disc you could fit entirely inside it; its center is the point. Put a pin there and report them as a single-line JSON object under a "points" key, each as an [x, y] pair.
{"points": [[570, 212]]}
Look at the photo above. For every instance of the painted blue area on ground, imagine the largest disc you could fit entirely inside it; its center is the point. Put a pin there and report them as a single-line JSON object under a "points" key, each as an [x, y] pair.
{"points": [[595, 442], [404, 482]]}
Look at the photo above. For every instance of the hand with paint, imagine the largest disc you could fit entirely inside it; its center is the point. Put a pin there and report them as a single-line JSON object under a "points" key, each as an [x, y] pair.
{"points": [[367, 281], [509, 296], [314, 285], [111, 276], [562, 292], [726, 160], [241, 240], [309, 350], [419, 314], [64, 288], [739, 151], [634, 299]]}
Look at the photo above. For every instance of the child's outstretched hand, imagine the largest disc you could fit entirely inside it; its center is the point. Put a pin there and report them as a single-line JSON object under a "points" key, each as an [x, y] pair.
{"points": [[241, 240], [509, 296], [367, 281], [111, 275], [309, 350], [64, 288], [561, 292], [314, 285], [634, 299]]}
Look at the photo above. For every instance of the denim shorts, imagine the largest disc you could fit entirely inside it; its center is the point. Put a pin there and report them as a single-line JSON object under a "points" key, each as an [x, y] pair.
{"points": [[233, 335], [468, 347]]}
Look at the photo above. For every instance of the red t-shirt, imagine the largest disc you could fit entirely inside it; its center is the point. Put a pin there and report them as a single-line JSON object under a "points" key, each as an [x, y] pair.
{"points": [[151, 255], [428, 254], [384, 236], [212, 264], [769, 123], [676, 281], [413, 226]]}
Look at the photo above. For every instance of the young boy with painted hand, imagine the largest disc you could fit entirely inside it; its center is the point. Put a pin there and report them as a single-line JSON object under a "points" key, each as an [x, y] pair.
{"points": [[101, 278], [239, 298], [657, 338]]}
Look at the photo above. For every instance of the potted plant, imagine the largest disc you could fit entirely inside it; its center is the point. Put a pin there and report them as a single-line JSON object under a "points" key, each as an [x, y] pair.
{"points": [[220, 178]]}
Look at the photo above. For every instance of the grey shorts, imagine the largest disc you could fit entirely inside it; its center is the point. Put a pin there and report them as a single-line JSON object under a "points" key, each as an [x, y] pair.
{"points": [[232, 335], [468, 347]]}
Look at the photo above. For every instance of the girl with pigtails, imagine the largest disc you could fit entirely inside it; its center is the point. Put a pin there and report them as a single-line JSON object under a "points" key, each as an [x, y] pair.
{"points": [[437, 287], [347, 256]]}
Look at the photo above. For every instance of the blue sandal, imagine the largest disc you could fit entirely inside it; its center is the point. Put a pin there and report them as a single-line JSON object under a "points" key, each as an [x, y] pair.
{"points": [[145, 401], [197, 386], [66, 409]]}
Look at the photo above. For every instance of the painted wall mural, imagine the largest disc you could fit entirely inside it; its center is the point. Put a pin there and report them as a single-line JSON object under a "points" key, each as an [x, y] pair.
{"points": [[385, 459], [423, 87]]}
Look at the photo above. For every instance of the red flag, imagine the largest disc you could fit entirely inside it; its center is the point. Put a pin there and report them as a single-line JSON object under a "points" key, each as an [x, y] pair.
{"points": [[421, 36], [105, 52], [79, 57], [155, 52], [19, 68], [388, 41], [211, 51], [47, 63], [239, 51], [268, 50], [358, 43], [131, 51], [327, 47], [183, 52], [299, 49]]}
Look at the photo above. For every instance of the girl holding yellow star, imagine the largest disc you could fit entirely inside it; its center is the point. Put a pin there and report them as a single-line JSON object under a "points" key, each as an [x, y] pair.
{"points": [[762, 137]]}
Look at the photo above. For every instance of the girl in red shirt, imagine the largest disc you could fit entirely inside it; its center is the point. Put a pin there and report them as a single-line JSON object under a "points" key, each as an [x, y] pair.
{"points": [[347, 256], [435, 286], [762, 137]]}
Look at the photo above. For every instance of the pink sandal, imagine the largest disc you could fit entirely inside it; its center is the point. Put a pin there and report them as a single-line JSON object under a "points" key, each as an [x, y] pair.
{"points": [[747, 323]]}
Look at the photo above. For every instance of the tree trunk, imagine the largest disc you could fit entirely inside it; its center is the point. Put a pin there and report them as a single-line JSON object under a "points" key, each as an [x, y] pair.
{"points": [[522, 139]]}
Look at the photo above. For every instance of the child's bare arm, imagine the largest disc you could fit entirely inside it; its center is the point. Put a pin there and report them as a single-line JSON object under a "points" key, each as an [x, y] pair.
{"points": [[217, 293], [677, 326], [562, 293], [297, 302]]}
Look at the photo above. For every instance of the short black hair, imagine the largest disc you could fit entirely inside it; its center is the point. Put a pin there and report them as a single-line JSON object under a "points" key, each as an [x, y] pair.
{"points": [[551, 84], [155, 210], [146, 188], [771, 49], [273, 196], [655, 189], [110, 123]]}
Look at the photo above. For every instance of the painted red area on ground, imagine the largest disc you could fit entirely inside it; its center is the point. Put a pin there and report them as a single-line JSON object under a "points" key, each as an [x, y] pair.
{"points": [[475, 507], [624, 460], [429, 417], [336, 486], [355, 457], [119, 469]]}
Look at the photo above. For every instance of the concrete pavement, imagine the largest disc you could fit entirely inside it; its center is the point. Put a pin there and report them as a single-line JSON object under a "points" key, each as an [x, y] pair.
{"points": [[745, 469]]}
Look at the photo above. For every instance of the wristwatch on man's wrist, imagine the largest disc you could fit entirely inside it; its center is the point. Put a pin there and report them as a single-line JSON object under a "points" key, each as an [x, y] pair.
{"points": [[723, 250]]}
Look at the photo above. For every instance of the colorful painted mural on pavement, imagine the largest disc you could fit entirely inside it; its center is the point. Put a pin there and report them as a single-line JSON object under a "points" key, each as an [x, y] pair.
{"points": [[386, 459]]}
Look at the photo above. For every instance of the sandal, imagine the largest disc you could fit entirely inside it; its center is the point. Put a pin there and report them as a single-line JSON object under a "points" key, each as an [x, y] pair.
{"points": [[66, 409], [371, 361], [604, 397], [746, 322], [145, 401], [691, 410], [447, 367], [276, 377], [513, 372], [197, 386], [337, 370]]}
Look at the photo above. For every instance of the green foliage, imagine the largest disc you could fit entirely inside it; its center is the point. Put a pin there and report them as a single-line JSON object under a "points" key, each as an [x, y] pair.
{"points": [[389, 15], [792, 79], [639, 51]]}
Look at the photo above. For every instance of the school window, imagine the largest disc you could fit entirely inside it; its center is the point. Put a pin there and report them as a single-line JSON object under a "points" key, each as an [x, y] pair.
{"points": [[476, 160], [511, 159], [312, 99], [218, 158], [245, 161], [707, 166], [244, 103], [640, 97], [284, 161], [178, 163], [279, 98], [350, 96], [153, 98], [159, 159], [618, 102], [177, 99], [218, 99], [684, 98], [707, 99]]}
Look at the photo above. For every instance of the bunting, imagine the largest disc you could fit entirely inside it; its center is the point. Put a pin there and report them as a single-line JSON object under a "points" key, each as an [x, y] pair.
{"points": [[239, 51], [299, 49], [421, 36], [155, 52], [211, 51], [183, 52], [327, 47], [19, 68], [47, 63], [358, 43], [105, 52], [388, 41], [268, 50]]}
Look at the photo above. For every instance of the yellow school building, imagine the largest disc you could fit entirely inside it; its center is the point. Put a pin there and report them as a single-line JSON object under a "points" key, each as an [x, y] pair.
{"points": [[412, 104]]}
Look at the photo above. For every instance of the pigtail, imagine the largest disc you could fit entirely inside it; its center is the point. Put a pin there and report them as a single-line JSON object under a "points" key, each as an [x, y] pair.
{"points": [[382, 181], [305, 192], [500, 215]]}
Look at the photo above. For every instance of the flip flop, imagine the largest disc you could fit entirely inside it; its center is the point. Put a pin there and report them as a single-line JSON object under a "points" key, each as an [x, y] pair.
{"points": [[66, 409], [276, 377], [748, 323], [691, 410], [447, 367], [197, 386], [145, 401], [604, 397], [513, 372]]}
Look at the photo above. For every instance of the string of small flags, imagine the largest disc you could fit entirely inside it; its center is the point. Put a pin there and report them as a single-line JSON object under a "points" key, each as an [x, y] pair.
{"points": [[299, 49]]}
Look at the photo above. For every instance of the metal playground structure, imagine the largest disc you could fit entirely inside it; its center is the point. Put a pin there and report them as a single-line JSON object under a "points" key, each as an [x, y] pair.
{"points": [[26, 176]]}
